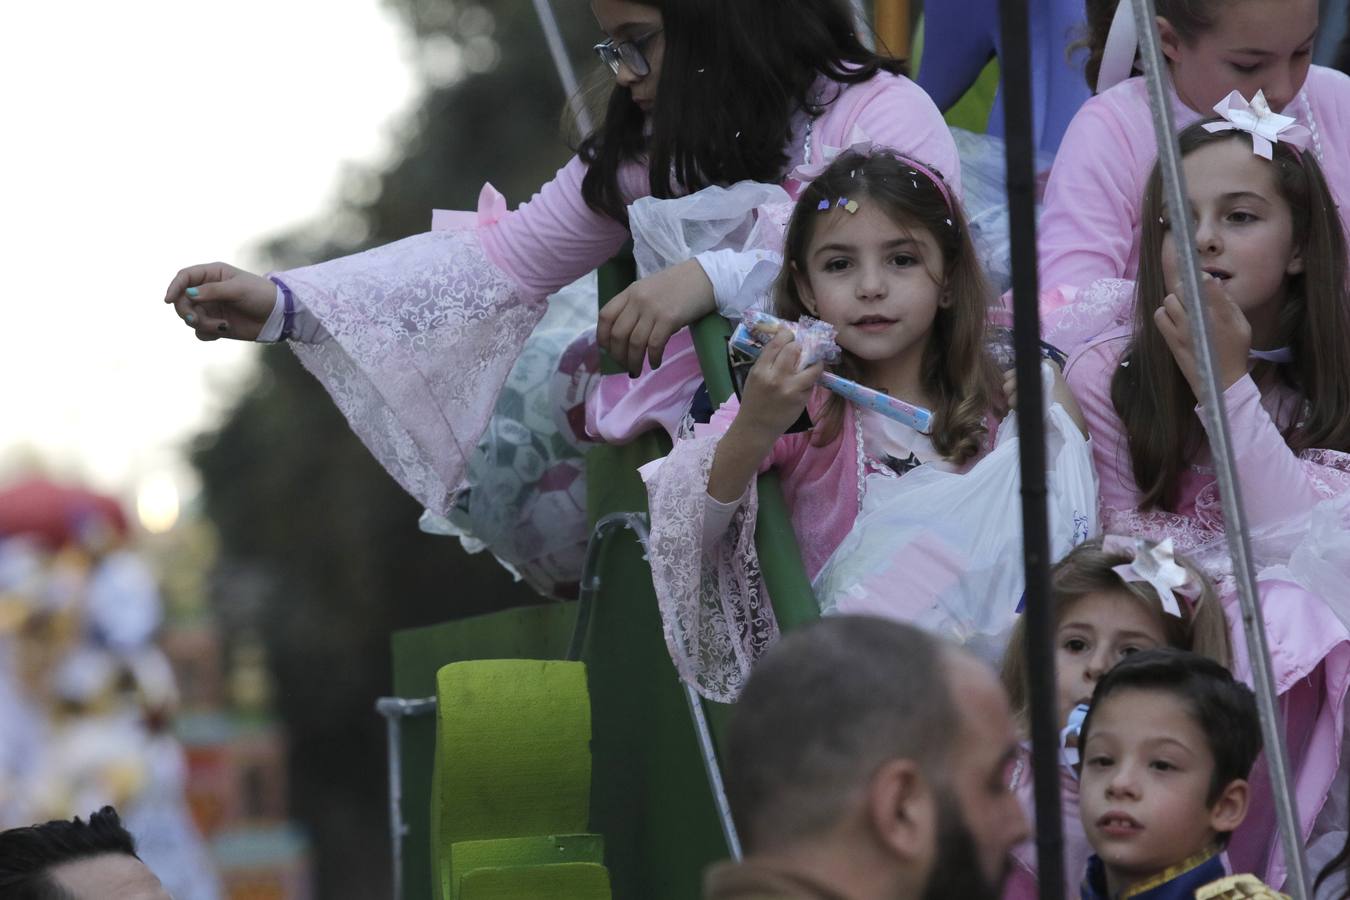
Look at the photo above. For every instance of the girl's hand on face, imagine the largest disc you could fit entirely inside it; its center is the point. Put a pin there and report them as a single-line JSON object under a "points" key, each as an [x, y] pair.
{"points": [[218, 300], [641, 318], [1231, 333], [775, 392]]}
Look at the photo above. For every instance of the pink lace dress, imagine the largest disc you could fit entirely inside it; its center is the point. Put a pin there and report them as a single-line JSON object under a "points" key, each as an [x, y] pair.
{"points": [[1298, 507], [871, 510]]}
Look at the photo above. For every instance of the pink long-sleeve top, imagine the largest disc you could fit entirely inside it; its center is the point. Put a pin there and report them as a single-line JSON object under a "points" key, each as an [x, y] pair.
{"points": [[1309, 645], [421, 333], [555, 238], [1089, 228]]}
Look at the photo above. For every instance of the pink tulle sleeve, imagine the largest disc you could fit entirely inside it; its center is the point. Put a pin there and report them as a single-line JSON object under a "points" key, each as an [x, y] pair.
{"points": [[716, 613], [424, 331]]}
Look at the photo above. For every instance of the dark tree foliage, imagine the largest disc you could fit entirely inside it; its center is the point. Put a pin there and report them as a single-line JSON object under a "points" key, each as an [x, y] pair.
{"points": [[321, 555]]}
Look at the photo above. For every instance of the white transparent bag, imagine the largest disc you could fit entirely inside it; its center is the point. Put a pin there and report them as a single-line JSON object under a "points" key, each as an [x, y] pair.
{"points": [[943, 550]]}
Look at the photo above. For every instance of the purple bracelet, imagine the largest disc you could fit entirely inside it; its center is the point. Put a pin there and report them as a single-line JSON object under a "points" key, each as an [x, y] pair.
{"points": [[287, 308]]}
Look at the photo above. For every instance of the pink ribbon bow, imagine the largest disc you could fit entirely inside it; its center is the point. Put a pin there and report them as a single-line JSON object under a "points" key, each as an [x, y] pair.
{"points": [[1154, 564], [1257, 119], [858, 143]]}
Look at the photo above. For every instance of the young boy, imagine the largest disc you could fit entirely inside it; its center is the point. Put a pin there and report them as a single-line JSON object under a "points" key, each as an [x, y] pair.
{"points": [[1166, 750]]}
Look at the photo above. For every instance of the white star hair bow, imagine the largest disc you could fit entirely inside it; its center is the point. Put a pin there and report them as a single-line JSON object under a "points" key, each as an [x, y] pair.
{"points": [[1154, 564], [1257, 119]]}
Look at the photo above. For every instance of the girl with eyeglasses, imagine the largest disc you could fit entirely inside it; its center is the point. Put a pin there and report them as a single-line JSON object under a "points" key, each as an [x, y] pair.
{"points": [[414, 339]]}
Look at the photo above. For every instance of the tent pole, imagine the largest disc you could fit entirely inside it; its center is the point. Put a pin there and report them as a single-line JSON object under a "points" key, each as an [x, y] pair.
{"points": [[1021, 175], [561, 62], [1216, 417]]}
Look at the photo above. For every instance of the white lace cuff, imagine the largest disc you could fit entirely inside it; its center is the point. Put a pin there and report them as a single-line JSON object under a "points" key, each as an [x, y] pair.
{"points": [[305, 326]]}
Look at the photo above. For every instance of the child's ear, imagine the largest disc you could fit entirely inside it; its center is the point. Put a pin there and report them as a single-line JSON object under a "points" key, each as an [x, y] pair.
{"points": [[1171, 41], [1227, 812], [1295, 266], [803, 289]]}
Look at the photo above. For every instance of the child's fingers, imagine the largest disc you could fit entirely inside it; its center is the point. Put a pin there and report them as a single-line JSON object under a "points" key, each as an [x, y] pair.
{"points": [[195, 276], [789, 359], [769, 355], [637, 345], [609, 315]]}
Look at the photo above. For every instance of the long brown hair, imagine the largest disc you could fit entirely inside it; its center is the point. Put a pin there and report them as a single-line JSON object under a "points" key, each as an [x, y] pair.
{"points": [[1088, 569], [1189, 18], [1154, 401], [957, 371]]}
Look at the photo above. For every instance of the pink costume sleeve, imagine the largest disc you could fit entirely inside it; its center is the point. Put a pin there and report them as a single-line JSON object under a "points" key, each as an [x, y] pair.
{"points": [[1276, 483], [891, 111], [1091, 216], [425, 330], [717, 616]]}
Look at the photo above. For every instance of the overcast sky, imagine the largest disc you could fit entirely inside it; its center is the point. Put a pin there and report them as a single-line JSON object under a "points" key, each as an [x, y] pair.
{"points": [[142, 136]]}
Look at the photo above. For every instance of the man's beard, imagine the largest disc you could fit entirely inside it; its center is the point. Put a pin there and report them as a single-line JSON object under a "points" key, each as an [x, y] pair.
{"points": [[957, 874]]}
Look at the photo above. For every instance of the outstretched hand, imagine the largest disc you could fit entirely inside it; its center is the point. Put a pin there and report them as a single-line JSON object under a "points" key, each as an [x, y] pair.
{"points": [[218, 300], [1229, 329], [639, 320]]}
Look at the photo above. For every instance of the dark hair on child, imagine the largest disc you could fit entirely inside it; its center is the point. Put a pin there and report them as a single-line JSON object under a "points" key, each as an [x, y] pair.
{"points": [[1089, 569], [1223, 707], [957, 371], [1189, 18], [28, 854], [1152, 397], [733, 75]]}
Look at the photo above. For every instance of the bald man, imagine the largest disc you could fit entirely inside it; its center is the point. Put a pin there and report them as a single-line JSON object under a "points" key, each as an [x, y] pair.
{"points": [[869, 760]]}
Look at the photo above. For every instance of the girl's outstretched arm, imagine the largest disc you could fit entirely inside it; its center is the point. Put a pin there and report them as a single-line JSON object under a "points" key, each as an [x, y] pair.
{"points": [[775, 395]]}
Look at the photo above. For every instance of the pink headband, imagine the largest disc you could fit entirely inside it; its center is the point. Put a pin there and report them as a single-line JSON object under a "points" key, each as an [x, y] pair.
{"points": [[863, 146]]}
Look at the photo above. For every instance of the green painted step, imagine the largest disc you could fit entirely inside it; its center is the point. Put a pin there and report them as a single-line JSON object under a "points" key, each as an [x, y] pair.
{"points": [[469, 856], [566, 881]]}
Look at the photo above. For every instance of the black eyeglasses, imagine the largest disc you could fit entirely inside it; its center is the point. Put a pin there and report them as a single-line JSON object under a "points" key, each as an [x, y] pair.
{"points": [[632, 54]]}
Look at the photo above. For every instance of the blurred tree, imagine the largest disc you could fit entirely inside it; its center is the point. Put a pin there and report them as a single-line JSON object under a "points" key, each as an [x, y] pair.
{"points": [[320, 550]]}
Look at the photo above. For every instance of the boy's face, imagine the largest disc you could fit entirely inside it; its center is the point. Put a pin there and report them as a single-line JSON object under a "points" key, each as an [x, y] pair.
{"points": [[1145, 779]]}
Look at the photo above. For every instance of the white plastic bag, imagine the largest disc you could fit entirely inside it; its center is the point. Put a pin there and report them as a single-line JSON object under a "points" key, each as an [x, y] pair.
{"points": [[943, 550]]}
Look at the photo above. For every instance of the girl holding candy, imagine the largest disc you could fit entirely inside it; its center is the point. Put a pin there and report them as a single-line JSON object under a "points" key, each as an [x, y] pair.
{"points": [[878, 249]]}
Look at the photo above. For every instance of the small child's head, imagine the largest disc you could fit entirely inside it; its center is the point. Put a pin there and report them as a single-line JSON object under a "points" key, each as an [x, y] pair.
{"points": [[1103, 614], [1214, 47], [878, 246], [1270, 232], [1166, 749]]}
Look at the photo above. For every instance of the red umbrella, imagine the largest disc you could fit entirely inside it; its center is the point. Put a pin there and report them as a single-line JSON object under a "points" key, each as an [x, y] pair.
{"points": [[56, 514]]}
